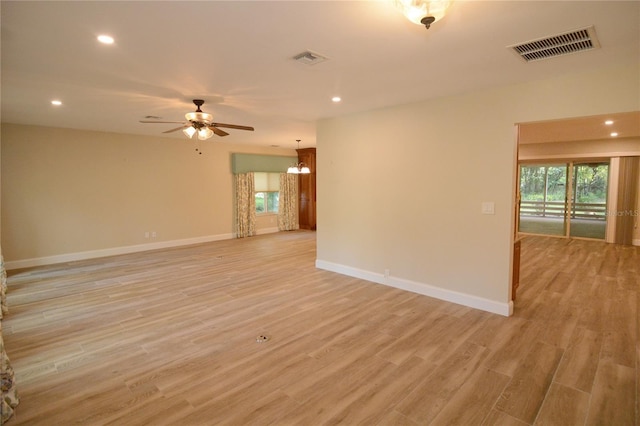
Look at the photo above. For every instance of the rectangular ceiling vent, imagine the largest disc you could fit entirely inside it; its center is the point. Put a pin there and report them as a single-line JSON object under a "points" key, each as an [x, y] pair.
{"points": [[558, 45], [310, 58]]}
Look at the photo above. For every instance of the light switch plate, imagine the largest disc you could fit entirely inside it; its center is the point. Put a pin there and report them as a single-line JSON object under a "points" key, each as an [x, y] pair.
{"points": [[488, 207]]}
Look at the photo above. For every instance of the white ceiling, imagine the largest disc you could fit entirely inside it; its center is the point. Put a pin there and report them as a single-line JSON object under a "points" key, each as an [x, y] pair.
{"points": [[597, 127], [237, 56]]}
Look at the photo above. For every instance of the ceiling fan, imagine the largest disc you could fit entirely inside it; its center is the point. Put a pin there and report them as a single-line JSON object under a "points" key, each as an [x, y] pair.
{"points": [[201, 123]]}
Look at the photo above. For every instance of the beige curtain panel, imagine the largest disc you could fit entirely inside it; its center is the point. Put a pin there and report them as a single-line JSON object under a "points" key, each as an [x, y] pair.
{"points": [[288, 203], [3, 288], [245, 205], [8, 391]]}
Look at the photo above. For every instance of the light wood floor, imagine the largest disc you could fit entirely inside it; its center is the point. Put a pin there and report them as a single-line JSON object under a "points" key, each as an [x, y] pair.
{"points": [[169, 337]]}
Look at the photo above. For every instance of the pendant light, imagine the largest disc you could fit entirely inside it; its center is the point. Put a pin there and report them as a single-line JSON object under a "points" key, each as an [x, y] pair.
{"points": [[300, 168]]}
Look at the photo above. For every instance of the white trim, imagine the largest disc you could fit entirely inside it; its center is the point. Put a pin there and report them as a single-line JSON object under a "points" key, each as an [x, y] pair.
{"points": [[114, 251], [469, 300], [91, 254]]}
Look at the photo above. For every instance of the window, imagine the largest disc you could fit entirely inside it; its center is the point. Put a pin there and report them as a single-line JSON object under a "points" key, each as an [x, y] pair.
{"points": [[267, 187]]}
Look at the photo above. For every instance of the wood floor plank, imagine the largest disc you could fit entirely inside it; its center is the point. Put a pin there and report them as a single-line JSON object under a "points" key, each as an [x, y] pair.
{"points": [[393, 418], [266, 410], [336, 392], [154, 411], [598, 303], [512, 345], [335, 368], [385, 394], [637, 385], [580, 362], [418, 338], [528, 387], [498, 418], [561, 325], [424, 403], [474, 402], [563, 406], [621, 328], [613, 398], [169, 337], [443, 339]]}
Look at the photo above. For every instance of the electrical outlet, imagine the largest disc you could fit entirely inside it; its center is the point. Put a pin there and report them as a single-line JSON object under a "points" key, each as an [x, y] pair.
{"points": [[153, 234], [146, 234]]}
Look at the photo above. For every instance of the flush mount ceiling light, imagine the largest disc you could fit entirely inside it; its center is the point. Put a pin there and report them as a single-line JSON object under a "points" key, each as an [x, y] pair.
{"points": [[300, 168], [423, 12]]}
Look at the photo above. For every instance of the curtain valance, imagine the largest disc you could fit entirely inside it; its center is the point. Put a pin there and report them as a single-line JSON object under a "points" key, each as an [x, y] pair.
{"points": [[246, 163]]}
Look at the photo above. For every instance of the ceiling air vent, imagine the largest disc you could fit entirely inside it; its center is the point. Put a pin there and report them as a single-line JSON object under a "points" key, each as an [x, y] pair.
{"points": [[558, 45], [310, 58]]}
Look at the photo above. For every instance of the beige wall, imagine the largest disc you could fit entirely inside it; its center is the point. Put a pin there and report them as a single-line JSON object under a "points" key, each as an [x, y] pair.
{"points": [[68, 191], [401, 188]]}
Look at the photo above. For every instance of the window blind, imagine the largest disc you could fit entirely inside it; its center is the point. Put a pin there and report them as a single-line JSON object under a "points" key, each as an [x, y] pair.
{"points": [[266, 182]]}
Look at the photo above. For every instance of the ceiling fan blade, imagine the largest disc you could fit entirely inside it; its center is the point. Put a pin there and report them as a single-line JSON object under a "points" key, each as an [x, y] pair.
{"points": [[217, 131], [176, 129], [232, 126], [161, 122]]}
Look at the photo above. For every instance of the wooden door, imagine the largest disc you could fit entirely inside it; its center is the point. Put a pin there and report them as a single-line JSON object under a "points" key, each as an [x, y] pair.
{"points": [[307, 190]]}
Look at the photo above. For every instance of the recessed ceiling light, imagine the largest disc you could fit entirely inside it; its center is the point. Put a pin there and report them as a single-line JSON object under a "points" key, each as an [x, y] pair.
{"points": [[56, 102], [614, 134], [336, 99], [105, 39], [608, 122]]}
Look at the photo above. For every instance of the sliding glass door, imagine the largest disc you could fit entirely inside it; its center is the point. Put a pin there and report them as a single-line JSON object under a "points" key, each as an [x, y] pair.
{"points": [[589, 200], [543, 201], [567, 199]]}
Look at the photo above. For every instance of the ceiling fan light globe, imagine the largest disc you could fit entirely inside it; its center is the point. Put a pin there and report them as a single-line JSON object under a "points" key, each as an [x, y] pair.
{"points": [[305, 170], [204, 133], [189, 131], [293, 170]]}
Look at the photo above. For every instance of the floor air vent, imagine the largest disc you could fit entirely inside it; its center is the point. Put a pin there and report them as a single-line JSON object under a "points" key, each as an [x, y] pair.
{"points": [[558, 45]]}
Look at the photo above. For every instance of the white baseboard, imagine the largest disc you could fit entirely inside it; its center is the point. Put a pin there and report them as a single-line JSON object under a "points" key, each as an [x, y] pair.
{"points": [[91, 254], [464, 299], [113, 251]]}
